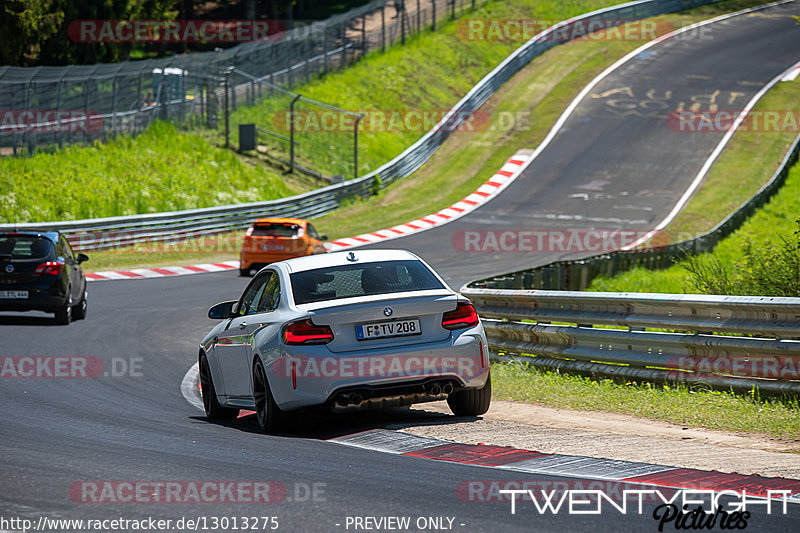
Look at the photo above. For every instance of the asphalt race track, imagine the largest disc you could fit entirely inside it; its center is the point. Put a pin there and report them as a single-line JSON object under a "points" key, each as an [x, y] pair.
{"points": [[616, 164]]}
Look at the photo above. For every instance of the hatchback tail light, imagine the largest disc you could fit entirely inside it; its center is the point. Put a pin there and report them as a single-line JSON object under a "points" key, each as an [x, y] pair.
{"points": [[306, 332], [463, 316], [50, 267]]}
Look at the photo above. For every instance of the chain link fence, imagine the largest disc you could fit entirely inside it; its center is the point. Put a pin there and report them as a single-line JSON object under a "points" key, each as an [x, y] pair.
{"points": [[45, 108]]}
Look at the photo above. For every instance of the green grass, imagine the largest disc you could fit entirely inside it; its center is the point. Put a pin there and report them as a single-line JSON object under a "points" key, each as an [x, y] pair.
{"points": [[675, 404], [163, 169]]}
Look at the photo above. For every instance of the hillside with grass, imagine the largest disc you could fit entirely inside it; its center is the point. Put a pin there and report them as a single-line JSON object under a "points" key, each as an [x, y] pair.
{"points": [[166, 169]]}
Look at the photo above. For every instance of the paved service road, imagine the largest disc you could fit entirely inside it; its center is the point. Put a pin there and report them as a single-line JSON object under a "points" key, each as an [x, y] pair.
{"points": [[64, 442]]}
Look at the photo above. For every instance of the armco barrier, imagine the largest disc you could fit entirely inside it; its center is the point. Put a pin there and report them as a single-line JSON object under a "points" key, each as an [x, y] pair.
{"points": [[316, 203], [710, 347]]}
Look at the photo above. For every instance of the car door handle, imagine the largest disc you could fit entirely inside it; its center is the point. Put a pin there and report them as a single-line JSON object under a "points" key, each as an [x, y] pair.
{"points": [[242, 325]]}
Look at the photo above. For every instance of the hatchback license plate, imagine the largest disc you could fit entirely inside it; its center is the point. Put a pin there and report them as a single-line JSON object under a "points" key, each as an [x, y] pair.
{"points": [[381, 330], [13, 295]]}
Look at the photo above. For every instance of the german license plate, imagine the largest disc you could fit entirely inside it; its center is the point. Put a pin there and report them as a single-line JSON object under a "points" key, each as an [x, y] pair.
{"points": [[13, 295], [381, 330], [272, 247]]}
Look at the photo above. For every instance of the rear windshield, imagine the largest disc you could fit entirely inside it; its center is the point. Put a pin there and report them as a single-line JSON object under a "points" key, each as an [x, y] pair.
{"points": [[347, 281], [24, 247], [277, 230]]}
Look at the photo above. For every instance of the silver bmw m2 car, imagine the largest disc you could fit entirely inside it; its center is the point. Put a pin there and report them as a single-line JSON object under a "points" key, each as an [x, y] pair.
{"points": [[345, 331]]}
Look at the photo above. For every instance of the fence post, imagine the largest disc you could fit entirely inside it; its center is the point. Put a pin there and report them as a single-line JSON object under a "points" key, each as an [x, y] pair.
{"points": [[403, 26], [453, 9], [355, 145], [433, 23], [363, 35], [291, 133], [227, 110], [419, 17], [383, 26]]}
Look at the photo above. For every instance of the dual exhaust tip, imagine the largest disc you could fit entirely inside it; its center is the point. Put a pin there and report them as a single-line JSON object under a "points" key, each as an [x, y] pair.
{"points": [[435, 389]]}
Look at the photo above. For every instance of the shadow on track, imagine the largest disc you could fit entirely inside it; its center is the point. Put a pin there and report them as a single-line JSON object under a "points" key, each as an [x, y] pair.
{"points": [[322, 425], [22, 320]]}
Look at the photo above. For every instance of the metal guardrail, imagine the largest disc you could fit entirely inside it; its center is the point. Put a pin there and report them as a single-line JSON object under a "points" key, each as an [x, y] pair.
{"points": [[709, 347], [219, 219]]}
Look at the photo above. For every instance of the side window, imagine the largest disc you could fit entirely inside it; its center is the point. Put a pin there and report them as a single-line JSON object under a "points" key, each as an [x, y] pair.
{"points": [[312, 232], [271, 295], [61, 251], [248, 305], [67, 248]]}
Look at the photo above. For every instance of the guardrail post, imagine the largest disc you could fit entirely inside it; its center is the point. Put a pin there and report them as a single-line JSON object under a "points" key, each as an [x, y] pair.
{"points": [[291, 132]]}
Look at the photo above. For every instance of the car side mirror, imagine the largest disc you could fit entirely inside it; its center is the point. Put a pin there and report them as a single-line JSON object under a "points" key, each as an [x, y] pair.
{"points": [[323, 237], [222, 310], [82, 257]]}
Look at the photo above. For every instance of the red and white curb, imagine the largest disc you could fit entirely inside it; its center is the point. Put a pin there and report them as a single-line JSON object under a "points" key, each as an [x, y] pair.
{"points": [[491, 188], [143, 273], [554, 464]]}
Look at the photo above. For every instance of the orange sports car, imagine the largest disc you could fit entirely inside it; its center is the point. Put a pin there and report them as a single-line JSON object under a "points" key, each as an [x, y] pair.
{"points": [[275, 239]]}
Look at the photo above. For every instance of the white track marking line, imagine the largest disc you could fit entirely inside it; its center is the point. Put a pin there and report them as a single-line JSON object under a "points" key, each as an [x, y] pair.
{"points": [[189, 387]]}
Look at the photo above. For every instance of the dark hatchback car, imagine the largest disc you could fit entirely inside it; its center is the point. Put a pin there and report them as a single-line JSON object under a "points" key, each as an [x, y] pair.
{"points": [[40, 272]]}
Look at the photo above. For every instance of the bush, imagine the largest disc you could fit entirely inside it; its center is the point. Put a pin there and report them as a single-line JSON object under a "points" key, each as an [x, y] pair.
{"points": [[764, 271]]}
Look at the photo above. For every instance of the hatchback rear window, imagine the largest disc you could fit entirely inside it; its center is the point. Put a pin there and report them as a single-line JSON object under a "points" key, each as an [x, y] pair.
{"points": [[348, 281], [277, 230], [24, 247]]}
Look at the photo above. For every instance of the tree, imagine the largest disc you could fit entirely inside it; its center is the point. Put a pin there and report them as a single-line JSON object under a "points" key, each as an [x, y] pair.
{"points": [[25, 25]]}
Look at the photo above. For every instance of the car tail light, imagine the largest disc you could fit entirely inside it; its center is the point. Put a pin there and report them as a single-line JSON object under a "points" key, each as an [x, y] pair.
{"points": [[50, 267], [463, 316], [306, 332]]}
